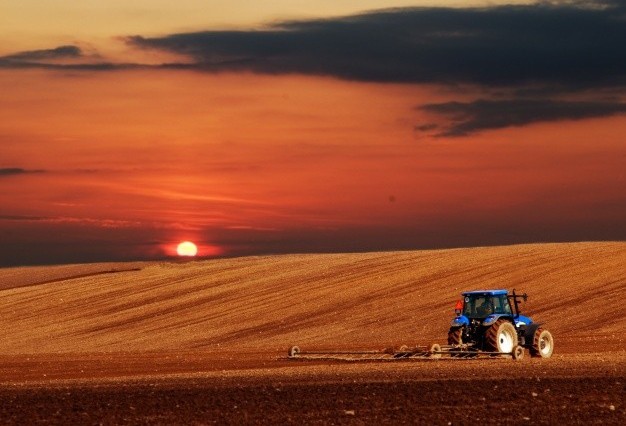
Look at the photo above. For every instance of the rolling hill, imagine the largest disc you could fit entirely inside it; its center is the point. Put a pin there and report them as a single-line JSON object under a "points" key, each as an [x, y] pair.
{"points": [[267, 303]]}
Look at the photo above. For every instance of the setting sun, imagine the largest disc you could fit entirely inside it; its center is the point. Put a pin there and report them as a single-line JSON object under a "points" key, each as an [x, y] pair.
{"points": [[187, 248]]}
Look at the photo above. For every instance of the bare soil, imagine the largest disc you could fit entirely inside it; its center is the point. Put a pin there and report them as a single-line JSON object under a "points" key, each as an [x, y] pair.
{"points": [[205, 342]]}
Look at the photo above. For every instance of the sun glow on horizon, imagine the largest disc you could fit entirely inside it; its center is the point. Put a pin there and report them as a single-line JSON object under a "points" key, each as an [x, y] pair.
{"points": [[187, 248]]}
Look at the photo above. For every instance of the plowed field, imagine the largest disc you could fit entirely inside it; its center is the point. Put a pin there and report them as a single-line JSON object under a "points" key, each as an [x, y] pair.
{"points": [[205, 341]]}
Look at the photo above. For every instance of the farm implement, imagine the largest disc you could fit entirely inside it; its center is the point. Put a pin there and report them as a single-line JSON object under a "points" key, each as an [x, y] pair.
{"points": [[487, 324], [435, 351]]}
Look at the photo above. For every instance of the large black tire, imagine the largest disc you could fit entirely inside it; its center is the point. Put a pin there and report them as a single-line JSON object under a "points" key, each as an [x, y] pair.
{"points": [[543, 344], [501, 337], [455, 336]]}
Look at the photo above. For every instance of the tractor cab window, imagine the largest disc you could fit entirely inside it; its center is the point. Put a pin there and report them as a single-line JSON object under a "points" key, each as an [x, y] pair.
{"points": [[501, 305], [478, 306], [481, 306]]}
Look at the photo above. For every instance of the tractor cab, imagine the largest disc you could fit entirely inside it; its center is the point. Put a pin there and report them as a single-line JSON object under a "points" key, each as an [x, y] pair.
{"points": [[486, 306], [479, 304]]}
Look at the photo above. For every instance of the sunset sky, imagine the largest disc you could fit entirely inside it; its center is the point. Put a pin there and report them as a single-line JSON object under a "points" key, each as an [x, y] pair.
{"points": [[254, 127]]}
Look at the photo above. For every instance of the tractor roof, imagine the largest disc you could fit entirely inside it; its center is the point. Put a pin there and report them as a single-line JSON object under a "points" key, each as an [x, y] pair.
{"points": [[485, 292]]}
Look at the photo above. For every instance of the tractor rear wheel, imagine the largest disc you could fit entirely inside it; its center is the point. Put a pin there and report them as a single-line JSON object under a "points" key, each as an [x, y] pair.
{"points": [[543, 344], [501, 337], [455, 336]]}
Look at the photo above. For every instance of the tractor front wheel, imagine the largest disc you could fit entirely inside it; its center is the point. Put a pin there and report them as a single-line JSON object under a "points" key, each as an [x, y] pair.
{"points": [[501, 337], [543, 344]]}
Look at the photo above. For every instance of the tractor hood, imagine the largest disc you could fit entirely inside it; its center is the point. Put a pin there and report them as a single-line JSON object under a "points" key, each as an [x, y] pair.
{"points": [[522, 320], [460, 321]]}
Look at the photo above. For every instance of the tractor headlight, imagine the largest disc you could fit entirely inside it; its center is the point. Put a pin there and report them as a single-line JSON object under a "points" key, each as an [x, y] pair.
{"points": [[490, 320]]}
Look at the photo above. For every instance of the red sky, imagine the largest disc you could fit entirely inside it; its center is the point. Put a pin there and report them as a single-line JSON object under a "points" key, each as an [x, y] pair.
{"points": [[124, 163]]}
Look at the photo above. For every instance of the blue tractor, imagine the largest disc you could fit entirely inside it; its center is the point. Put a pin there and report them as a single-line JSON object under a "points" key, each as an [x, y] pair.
{"points": [[490, 321]]}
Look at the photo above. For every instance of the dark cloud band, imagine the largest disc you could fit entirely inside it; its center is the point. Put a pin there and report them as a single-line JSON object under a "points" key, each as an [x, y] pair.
{"points": [[574, 45], [532, 56], [471, 117]]}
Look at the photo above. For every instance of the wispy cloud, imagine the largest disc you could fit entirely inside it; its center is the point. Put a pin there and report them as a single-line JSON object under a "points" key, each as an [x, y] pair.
{"points": [[17, 171], [61, 52], [59, 220], [68, 57], [20, 218]]}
